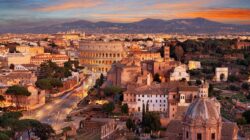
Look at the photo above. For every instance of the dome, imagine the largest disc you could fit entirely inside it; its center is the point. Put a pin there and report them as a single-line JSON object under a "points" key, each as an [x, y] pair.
{"points": [[203, 110]]}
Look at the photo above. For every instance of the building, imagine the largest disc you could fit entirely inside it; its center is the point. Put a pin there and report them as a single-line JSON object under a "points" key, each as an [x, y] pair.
{"points": [[3, 50], [59, 59], [160, 97], [98, 56], [100, 128], [35, 100], [124, 72], [202, 121], [15, 77], [34, 50], [146, 55], [180, 73], [152, 97], [192, 65], [242, 44], [15, 58]]}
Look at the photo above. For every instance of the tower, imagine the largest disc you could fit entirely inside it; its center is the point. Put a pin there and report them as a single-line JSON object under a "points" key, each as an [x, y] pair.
{"points": [[166, 53]]}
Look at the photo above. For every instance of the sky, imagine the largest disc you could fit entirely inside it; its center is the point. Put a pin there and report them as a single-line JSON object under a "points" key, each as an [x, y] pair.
{"points": [[226, 11]]}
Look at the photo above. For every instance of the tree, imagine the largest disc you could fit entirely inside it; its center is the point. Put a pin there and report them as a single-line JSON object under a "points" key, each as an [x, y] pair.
{"points": [[246, 115], [112, 90], [130, 124], [151, 121], [241, 121], [157, 78], [198, 82], [210, 90], [143, 112], [124, 108], [8, 119], [49, 83], [179, 52], [4, 136], [147, 107], [99, 81], [55, 82], [108, 107], [245, 86], [17, 91], [44, 84], [43, 131], [28, 125], [231, 78]]}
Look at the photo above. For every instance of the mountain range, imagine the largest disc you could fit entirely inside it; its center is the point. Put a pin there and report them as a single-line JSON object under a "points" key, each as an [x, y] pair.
{"points": [[185, 26]]}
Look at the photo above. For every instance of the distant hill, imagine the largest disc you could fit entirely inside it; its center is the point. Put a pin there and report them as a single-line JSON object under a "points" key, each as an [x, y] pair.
{"points": [[189, 26]]}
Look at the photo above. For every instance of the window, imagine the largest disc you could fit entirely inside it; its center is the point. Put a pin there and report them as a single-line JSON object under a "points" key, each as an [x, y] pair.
{"points": [[139, 109], [187, 134], [199, 136], [213, 136], [142, 95]]}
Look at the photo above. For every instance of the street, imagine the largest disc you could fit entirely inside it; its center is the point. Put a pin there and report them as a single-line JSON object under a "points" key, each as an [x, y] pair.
{"points": [[56, 111]]}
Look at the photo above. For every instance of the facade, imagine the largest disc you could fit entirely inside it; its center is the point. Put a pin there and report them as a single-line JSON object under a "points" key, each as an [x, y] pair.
{"points": [[30, 50], [221, 74], [180, 72], [101, 128], [17, 58], [145, 55], [194, 65], [35, 100], [98, 56], [124, 72], [152, 97], [59, 59]]}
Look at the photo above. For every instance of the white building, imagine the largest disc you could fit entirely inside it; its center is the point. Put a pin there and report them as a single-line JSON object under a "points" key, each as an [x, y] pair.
{"points": [[180, 72], [194, 65], [152, 97]]}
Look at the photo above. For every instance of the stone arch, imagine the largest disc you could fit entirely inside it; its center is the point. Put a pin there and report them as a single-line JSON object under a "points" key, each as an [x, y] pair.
{"points": [[221, 74]]}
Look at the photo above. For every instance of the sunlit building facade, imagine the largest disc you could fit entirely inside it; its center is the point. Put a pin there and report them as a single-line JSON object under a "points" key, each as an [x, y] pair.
{"points": [[98, 56]]}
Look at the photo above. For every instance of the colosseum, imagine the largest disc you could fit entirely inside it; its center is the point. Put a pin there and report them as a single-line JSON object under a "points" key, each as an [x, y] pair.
{"points": [[98, 56]]}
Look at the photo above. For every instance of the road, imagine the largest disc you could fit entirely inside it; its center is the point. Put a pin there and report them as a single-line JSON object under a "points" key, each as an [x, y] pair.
{"points": [[55, 112]]}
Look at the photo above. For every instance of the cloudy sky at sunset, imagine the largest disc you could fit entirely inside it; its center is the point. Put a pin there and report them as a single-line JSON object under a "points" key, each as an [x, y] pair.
{"points": [[227, 11]]}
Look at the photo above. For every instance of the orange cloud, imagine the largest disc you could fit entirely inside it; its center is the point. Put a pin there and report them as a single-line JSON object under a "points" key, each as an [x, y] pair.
{"points": [[179, 6], [71, 4], [222, 13]]}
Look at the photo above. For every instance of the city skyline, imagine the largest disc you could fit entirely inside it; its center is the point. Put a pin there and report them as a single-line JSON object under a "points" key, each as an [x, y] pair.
{"points": [[226, 11]]}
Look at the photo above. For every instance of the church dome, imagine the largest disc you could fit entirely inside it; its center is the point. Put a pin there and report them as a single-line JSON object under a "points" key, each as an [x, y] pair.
{"points": [[203, 110]]}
